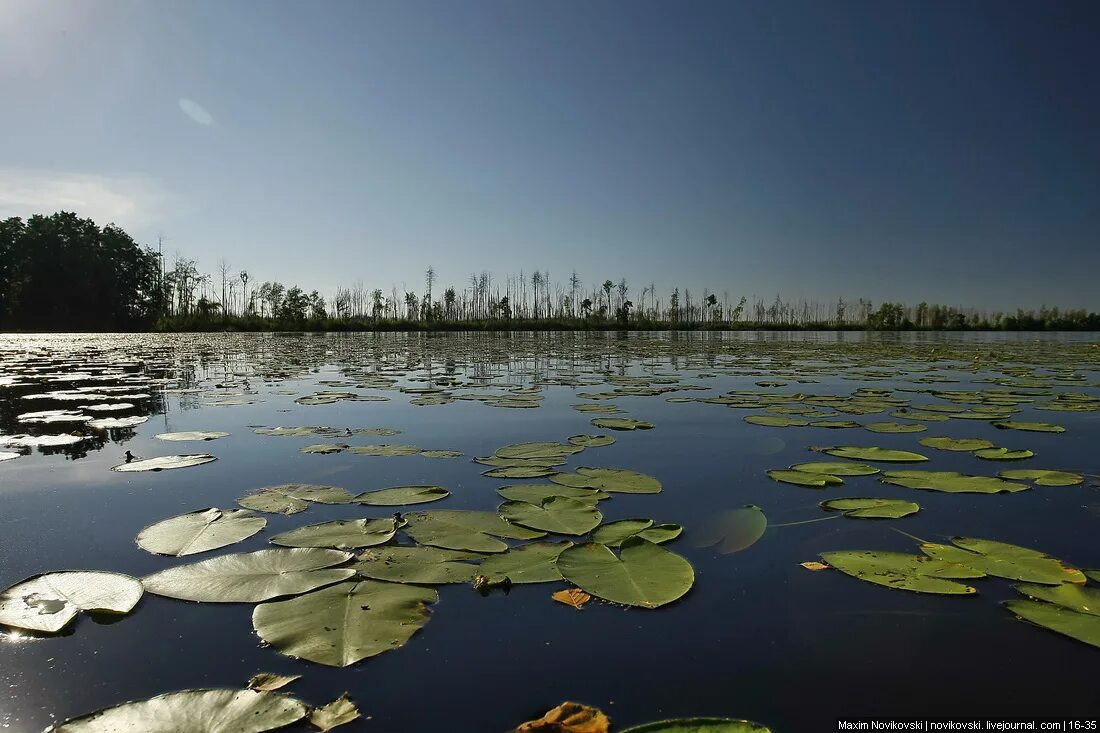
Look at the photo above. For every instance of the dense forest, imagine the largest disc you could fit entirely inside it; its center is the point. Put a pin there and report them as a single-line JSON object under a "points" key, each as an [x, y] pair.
{"points": [[62, 273]]}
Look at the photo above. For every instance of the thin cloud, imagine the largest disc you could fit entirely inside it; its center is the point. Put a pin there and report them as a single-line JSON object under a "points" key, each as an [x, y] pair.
{"points": [[127, 201], [196, 112]]}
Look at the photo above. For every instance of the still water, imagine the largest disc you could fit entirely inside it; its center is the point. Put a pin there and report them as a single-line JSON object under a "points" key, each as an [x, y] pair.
{"points": [[757, 637]]}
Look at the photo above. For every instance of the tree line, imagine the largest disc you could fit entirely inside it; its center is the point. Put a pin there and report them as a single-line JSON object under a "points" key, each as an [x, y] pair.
{"points": [[65, 273]]}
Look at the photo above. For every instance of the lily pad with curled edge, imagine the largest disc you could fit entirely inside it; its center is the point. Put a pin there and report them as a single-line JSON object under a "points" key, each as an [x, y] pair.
{"points": [[519, 472], [199, 531], [700, 725], [1041, 477], [465, 530], [916, 573], [1003, 454], [956, 444], [621, 423], [164, 463], [428, 565], [403, 495], [537, 493], [251, 577], [48, 603], [293, 498], [1067, 595], [537, 450], [1034, 427], [342, 624], [614, 534], [192, 435], [802, 478], [209, 711], [776, 421], [643, 574], [384, 449], [872, 508], [340, 534], [1080, 626], [531, 563], [336, 713], [734, 530], [836, 468], [895, 427], [870, 453], [619, 480], [591, 441], [1004, 560], [951, 482], [558, 514]]}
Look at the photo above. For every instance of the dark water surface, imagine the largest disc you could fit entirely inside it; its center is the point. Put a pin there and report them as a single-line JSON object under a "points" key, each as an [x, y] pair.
{"points": [[758, 636]]}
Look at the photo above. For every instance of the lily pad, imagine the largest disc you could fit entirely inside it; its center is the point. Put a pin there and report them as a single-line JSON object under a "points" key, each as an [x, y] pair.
{"points": [[199, 531], [957, 444], [48, 603], [294, 498], [836, 468], [1004, 560], [644, 574], [1080, 626], [700, 725], [538, 493], [951, 482], [1003, 454], [591, 441], [1041, 477], [895, 427], [1033, 427], [340, 534], [872, 508], [558, 514], [915, 573], [164, 463], [429, 565], [776, 421], [209, 711], [609, 479], [734, 530], [621, 423], [613, 534], [538, 450], [802, 478], [465, 530], [530, 563], [519, 472], [384, 449], [1066, 595], [403, 495], [867, 453], [192, 435], [336, 713], [251, 577], [345, 623]]}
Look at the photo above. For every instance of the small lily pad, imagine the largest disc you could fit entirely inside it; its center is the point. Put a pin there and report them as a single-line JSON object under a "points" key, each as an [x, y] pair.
{"points": [[340, 534], [1033, 427], [613, 534], [872, 508], [200, 531], [403, 495], [644, 574], [802, 478], [868, 453], [621, 423], [1041, 477], [164, 463], [836, 468]]}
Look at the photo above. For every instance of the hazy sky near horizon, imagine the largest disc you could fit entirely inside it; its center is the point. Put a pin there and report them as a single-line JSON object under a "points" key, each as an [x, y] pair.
{"points": [[940, 151]]}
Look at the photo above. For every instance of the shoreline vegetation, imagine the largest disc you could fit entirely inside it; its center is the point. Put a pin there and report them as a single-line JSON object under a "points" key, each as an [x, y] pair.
{"points": [[64, 273]]}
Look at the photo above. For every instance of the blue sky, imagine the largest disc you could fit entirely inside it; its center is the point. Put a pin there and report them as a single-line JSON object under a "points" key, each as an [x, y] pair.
{"points": [[912, 151]]}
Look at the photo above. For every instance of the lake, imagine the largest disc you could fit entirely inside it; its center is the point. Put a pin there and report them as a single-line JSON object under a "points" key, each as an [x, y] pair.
{"points": [[758, 636]]}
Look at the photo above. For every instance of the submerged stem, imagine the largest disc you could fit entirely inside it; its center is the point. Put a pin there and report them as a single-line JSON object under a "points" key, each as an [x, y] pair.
{"points": [[806, 521]]}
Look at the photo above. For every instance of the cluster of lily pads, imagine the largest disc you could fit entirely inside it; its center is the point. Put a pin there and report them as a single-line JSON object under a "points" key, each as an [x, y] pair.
{"points": [[1055, 597]]}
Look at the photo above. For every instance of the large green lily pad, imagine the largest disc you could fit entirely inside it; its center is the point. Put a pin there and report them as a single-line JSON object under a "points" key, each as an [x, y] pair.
{"points": [[194, 711], [251, 577], [535, 562], [1081, 626], [803, 478], [915, 573], [872, 508], [345, 623], [537, 493], [1041, 477], [836, 468], [465, 530], [1068, 595], [558, 514], [48, 603], [428, 565], [538, 450], [609, 479], [294, 498], [340, 534], [1004, 560], [200, 531], [870, 453], [644, 574], [613, 534], [951, 482], [957, 444], [403, 495]]}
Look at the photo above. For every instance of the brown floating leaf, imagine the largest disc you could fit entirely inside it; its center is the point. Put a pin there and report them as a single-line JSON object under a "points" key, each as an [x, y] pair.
{"points": [[339, 711], [569, 717], [814, 565], [574, 597], [266, 682]]}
